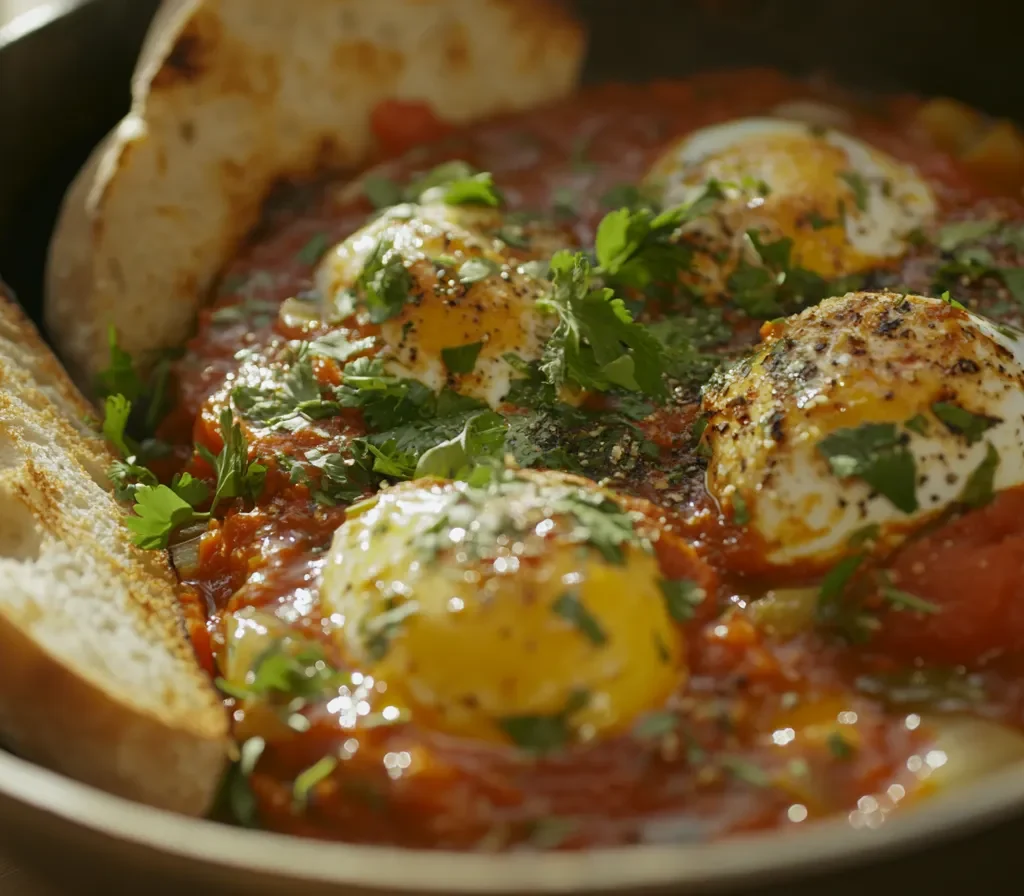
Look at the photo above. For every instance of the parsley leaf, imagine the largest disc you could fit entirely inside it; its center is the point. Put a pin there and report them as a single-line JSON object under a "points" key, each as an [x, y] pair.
{"points": [[117, 410], [542, 734], [462, 358], [960, 421], [571, 609], [473, 270], [338, 347], [482, 438], [902, 600], [384, 283], [158, 512], [382, 191], [682, 597], [979, 488], [120, 377], [236, 477], [476, 190], [859, 186], [597, 344], [877, 454]]}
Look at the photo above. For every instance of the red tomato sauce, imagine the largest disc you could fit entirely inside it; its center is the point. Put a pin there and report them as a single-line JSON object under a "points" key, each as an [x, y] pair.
{"points": [[776, 729]]}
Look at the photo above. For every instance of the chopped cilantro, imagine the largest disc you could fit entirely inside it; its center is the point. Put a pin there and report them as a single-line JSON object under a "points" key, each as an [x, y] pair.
{"points": [[236, 477], [740, 511], [482, 438], [682, 597], [961, 233], [289, 397], [476, 190], [979, 488], [542, 734], [473, 270], [655, 725], [158, 512], [960, 421], [902, 600], [120, 377], [918, 424], [877, 454], [745, 771], [117, 409], [338, 347], [858, 185], [382, 191], [597, 344], [314, 250], [839, 746], [288, 671], [384, 283], [570, 608], [307, 780], [461, 359]]}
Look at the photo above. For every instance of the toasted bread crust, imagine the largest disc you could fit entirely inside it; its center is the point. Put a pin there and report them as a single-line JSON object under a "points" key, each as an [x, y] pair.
{"points": [[97, 678], [232, 96]]}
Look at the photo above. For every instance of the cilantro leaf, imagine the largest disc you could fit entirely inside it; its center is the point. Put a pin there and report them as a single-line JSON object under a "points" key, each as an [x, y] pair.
{"points": [[597, 344], [542, 734], [116, 411], [127, 476], [859, 186], [877, 454], [236, 477], [158, 512], [960, 421], [384, 283], [338, 347], [572, 610], [482, 438], [473, 270], [120, 377], [462, 358], [601, 523], [476, 190], [382, 191], [979, 488], [682, 597], [903, 600]]}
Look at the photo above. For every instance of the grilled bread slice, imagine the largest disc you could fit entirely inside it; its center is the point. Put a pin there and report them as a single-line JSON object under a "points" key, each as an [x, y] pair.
{"points": [[233, 96], [97, 678]]}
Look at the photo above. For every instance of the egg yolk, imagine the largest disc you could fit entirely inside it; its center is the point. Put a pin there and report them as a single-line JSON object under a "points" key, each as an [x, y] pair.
{"points": [[846, 206], [490, 614], [467, 302]]}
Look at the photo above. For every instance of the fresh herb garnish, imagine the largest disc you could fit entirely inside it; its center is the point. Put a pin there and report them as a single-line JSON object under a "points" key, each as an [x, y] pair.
{"points": [[979, 488], [960, 421], [682, 597], [839, 746], [308, 779], [542, 734], [877, 454], [903, 600], [655, 725], [570, 608], [384, 282], [461, 359], [482, 439], [473, 270], [858, 185], [597, 344], [314, 249]]}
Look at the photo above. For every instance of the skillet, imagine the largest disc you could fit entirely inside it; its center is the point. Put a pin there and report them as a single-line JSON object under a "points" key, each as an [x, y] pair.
{"points": [[49, 125]]}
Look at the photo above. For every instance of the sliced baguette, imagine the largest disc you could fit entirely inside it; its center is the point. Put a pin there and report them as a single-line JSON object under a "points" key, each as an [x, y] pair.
{"points": [[97, 678], [232, 96]]}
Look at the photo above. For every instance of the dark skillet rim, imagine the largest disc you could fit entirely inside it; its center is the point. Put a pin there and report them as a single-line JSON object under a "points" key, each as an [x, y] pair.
{"points": [[825, 846], [37, 18]]}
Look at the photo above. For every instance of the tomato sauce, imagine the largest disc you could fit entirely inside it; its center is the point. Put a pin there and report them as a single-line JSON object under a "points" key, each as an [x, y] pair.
{"points": [[777, 729]]}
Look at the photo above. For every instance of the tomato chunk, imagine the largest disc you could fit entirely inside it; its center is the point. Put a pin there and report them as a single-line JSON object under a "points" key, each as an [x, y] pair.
{"points": [[972, 571]]}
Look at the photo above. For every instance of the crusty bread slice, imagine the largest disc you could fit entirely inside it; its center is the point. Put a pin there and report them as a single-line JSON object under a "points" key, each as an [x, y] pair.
{"points": [[232, 96], [97, 678]]}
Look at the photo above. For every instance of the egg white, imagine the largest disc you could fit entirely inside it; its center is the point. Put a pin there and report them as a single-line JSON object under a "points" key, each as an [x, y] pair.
{"points": [[857, 359], [811, 173]]}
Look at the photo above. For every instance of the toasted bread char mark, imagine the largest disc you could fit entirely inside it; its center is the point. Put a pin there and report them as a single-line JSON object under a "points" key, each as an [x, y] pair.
{"points": [[231, 96], [97, 678]]}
